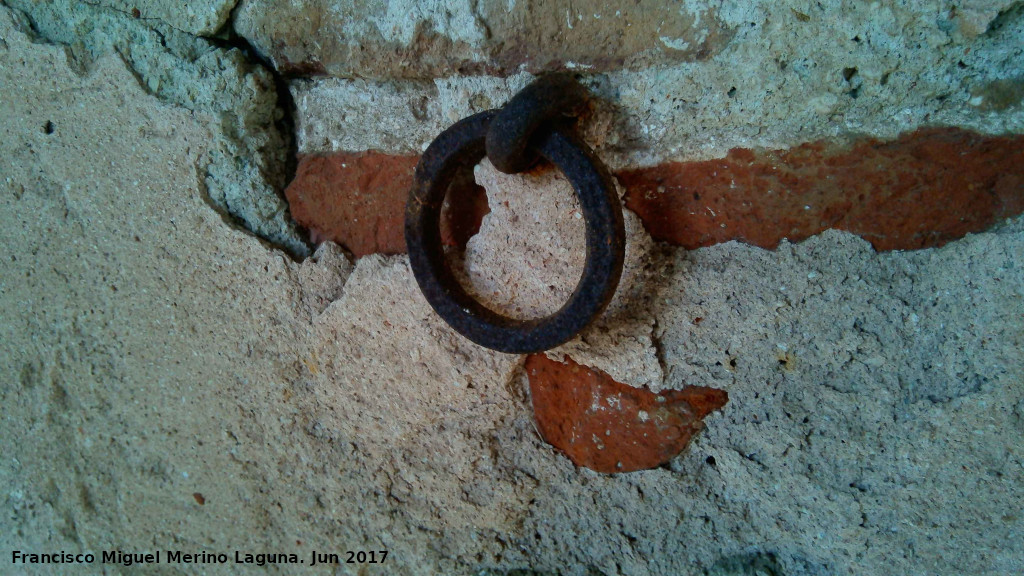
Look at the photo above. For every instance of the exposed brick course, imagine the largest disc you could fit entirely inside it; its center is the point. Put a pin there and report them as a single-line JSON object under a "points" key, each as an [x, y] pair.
{"points": [[921, 190]]}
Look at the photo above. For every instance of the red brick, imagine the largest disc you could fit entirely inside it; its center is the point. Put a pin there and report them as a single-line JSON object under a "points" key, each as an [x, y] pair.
{"points": [[611, 427], [923, 189], [463, 211], [357, 199]]}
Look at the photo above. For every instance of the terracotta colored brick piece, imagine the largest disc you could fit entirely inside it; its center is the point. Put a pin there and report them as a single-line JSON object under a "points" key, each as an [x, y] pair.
{"points": [[357, 199], [921, 190], [612, 427]]}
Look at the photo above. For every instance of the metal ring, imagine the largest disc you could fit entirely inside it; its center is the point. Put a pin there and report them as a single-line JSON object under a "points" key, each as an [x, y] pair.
{"points": [[462, 145]]}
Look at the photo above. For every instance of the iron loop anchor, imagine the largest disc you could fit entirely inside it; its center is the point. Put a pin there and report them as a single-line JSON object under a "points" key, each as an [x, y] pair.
{"points": [[526, 128]]}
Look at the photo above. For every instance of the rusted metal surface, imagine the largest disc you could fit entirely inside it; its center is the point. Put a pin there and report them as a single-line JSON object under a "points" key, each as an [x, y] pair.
{"points": [[462, 146], [550, 100]]}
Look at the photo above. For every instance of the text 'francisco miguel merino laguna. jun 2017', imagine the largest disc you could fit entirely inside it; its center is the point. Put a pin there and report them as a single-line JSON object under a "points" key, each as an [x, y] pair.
{"points": [[314, 558]]}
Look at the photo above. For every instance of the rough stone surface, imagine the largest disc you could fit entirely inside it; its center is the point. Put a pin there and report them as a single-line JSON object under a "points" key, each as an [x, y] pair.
{"points": [[793, 73], [921, 190], [154, 352], [245, 168], [128, 306], [999, 95], [975, 17], [409, 39], [157, 357], [611, 427], [198, 17]]}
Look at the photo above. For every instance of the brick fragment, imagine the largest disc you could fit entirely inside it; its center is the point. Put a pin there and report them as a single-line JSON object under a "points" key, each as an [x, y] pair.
{"points": [[612, 427], [921, 190], [357, 199]]}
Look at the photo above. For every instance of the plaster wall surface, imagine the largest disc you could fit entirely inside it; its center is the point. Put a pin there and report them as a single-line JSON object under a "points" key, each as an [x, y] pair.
{"points": [[174, 381]]}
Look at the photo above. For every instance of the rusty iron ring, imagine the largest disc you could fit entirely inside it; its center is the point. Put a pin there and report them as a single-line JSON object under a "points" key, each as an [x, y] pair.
{"points": [[463, 145], [547, 100]]}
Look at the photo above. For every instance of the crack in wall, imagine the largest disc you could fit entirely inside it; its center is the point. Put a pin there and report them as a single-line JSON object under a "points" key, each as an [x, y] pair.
{"points": [[285, 102]]}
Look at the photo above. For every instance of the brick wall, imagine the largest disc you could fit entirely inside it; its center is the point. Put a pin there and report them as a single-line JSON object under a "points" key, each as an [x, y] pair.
{"points": [[899, 123]]}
